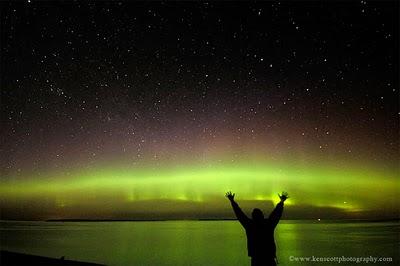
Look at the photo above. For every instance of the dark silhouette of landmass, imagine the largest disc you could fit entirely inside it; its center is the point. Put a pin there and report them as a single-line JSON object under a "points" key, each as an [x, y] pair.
{"points": [[325, 220], [8, 258], [107, 220]]}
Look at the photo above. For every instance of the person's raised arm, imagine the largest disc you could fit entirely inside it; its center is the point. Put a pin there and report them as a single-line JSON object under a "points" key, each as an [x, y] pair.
{"points": [[243, 219], [276, 214]]}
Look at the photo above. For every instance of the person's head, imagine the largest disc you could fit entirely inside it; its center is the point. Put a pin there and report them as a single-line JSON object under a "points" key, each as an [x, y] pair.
{"points": [[257, 215]]}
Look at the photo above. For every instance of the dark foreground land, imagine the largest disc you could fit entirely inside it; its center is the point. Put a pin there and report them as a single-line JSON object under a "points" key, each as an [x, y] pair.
{"points": [[8, 258]]}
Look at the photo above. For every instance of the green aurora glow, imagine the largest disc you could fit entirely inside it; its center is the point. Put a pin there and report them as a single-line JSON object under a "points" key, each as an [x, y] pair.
{"points": [[117, 110], [349, 189]]}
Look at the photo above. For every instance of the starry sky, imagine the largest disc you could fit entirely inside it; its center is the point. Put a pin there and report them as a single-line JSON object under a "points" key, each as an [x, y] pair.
{"points": [[117, 110]]}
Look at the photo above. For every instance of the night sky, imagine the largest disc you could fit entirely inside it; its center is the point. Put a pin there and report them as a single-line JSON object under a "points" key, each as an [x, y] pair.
{"points": [[146, 110]]}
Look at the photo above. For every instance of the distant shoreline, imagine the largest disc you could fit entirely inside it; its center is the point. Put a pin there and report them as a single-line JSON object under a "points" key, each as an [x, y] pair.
{"points": [[208, 219], [233, 219]]}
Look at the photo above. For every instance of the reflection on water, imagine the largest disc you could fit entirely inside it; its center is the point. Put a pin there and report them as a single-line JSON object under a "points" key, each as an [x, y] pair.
{"points": [[195, 242]]}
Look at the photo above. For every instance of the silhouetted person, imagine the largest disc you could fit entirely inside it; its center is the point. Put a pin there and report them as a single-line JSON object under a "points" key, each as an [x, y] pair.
{"points": [[260, 232]]}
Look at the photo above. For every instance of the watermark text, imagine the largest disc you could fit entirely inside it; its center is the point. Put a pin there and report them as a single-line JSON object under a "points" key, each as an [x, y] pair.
{"points": [[340, 259]]}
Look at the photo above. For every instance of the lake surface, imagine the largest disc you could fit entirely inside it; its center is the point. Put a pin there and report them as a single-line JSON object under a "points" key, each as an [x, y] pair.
{"points": [[197, 242]]}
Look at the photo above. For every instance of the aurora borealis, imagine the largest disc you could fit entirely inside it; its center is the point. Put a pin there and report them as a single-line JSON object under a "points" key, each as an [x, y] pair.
{"points": [[117, 110]]}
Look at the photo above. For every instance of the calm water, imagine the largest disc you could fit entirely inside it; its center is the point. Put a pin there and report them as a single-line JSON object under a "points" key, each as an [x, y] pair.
{"points": [[196, 242]]}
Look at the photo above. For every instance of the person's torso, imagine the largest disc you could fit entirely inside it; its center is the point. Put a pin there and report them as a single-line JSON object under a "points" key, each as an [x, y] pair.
{"points": [[260, 239]]}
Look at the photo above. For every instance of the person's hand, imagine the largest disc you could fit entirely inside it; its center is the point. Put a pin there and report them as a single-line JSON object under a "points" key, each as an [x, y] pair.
{"points": [[230, 195], [284, 196]]}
